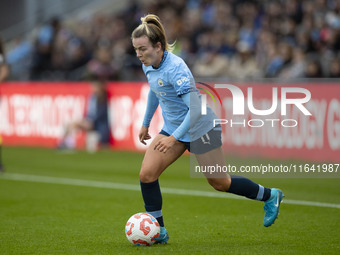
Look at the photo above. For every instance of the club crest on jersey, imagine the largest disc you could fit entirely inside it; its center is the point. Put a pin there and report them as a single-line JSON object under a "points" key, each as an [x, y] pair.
{"points": [[160, 82]]}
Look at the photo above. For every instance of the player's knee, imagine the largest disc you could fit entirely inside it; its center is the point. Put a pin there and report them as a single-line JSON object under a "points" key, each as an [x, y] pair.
{"points": [[147, 176], [228, 182], [219, 187], [220, 184]]}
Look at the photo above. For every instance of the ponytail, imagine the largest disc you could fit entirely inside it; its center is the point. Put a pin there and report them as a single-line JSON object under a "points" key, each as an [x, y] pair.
{"points": [[152, 28]]}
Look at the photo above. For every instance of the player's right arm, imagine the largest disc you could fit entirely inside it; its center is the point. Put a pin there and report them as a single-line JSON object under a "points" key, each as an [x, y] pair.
{"points": [[151, 108]]}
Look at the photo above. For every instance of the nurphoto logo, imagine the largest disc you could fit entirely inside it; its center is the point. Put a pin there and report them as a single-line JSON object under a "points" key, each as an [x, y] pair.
{"points": [[239, 106]]}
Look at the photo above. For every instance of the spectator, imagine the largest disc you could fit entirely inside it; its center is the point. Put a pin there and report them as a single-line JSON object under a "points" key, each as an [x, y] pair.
{"points": [[242, 66], [96, 118], [4, 69], [297, 67], [76, 59], [282, 57], [44, 49], [211, 64], [101, 65], [20, 59], [335, 68], [313, 69], [273, 29], [275, 61]]}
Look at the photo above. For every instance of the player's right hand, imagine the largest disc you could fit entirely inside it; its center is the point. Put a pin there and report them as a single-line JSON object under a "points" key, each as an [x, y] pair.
{"points": [[144, 134]]}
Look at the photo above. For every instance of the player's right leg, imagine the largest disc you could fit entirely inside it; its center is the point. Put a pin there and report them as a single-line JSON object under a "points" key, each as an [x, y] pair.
{"points": [[154, 163]]}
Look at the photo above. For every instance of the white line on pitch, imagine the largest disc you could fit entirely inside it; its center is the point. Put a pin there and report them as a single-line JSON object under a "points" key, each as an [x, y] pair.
{"points": [[121, 186]]}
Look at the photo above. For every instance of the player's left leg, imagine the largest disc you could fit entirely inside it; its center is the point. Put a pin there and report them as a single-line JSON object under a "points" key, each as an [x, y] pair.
{"points": [[235, 184], [240, 185]]}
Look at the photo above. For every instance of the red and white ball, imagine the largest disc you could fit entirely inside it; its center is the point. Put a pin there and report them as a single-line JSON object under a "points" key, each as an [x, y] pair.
{"points": [[142, 229]]}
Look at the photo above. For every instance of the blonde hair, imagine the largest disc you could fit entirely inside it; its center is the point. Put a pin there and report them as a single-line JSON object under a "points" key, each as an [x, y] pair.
{"points": [[152, 27]]}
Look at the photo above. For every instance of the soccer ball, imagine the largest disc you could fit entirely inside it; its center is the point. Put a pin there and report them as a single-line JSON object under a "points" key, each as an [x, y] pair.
{"points": [[142, 229]]}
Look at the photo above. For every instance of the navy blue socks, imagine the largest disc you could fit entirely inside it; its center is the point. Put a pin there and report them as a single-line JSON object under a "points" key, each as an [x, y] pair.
{"points": [[239, 185], [244, 187], [153, 200]]}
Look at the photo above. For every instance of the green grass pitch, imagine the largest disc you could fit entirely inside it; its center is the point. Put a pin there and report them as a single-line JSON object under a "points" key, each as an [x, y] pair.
{"points": [[37, 217]]}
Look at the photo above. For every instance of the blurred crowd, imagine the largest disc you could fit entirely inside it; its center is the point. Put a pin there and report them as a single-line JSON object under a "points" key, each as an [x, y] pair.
{"points": [[235, 40]]}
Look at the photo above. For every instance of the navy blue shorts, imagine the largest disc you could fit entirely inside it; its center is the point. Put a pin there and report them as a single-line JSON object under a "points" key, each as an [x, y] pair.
{"points": [[208, 142]]}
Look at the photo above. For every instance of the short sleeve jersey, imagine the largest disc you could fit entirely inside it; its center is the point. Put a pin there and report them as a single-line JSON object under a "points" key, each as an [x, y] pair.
{"points": [[169, 81]]}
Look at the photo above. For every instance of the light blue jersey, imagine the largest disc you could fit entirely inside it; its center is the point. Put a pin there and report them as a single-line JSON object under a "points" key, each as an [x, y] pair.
{"points": [[168, 83]]}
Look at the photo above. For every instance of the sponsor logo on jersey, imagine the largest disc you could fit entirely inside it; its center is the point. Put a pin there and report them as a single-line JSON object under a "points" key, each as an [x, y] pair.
{"points": [[160, 93], [182, 80]]}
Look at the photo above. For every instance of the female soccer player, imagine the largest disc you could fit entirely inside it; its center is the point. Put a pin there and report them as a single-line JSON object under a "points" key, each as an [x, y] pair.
{"points": [[172, 87]]}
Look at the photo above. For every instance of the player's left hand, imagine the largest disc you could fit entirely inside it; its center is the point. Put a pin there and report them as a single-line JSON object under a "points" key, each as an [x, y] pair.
{"points": [[164, 144]]}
